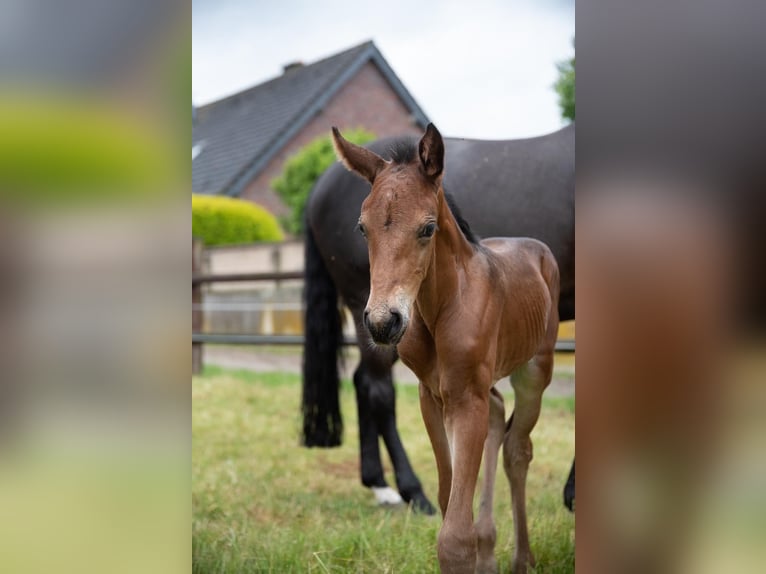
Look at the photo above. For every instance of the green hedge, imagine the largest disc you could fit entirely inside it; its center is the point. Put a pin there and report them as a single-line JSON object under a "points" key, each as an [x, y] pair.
{"points": [[227, 221], [303, 169]]}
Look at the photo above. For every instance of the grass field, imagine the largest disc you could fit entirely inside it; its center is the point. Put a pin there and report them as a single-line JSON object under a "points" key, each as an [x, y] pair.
{"points": [[261, 503]]}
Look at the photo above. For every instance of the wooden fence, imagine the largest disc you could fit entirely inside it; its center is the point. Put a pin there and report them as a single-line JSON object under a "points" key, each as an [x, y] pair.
{"points": [[199, 278]]}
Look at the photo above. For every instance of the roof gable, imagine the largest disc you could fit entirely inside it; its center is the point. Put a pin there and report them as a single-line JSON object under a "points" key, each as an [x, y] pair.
{"points": [[242, 132]]}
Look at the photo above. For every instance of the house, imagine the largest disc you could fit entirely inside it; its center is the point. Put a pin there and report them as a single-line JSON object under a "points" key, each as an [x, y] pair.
{"points": [[240, 143]]}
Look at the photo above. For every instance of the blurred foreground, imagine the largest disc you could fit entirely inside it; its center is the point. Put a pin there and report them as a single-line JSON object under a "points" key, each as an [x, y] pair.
{"points": [[94, 245], [671, 291]]}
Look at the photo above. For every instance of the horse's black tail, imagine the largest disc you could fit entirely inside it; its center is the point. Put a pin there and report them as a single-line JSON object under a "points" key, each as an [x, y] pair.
{"points": [[322, 422]]}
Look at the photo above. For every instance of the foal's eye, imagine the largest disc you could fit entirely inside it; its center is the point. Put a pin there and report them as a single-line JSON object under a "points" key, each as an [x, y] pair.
{"points": [[427, 230], [361, 229]]}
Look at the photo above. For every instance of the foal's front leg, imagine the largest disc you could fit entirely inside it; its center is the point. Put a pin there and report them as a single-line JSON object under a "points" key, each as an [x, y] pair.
{"points": [[431, 409], [466, 415]]}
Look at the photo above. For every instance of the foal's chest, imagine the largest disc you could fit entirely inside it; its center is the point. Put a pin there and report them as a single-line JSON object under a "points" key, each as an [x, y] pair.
{"points": [[418, 351]]}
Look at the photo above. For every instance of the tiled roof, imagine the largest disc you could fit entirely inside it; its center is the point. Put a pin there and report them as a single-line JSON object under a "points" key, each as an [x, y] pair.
{"points": [[235, 137]]}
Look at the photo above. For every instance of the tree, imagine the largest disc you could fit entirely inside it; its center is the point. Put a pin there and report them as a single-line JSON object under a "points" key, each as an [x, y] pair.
{"points": [[565, 88], [303, 169]]}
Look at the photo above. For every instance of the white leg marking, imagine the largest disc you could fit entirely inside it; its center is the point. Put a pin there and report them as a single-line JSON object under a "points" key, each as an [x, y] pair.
{"points": [[386, 495]]}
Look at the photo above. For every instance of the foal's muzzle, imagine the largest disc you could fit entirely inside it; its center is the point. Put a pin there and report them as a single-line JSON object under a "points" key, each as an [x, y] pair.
{"points": [[387, 327]]}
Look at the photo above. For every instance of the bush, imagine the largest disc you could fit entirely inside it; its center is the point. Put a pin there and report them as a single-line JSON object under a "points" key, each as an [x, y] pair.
{"points": [[303, 169], [227, 221]]}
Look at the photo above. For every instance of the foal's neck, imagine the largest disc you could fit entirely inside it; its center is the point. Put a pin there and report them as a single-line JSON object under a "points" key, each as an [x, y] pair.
{"points": [[452, 254]]}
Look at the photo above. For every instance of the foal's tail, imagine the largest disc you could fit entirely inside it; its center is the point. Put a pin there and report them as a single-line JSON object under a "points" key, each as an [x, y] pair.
{"points": [[322, 422]]}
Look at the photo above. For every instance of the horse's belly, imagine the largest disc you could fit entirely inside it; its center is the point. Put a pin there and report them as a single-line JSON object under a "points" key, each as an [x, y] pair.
{"points": [[512, 359], [523, 335]]}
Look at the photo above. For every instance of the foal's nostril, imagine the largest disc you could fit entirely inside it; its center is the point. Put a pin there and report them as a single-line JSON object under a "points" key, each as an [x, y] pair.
{"points": [[395, 322], [386, 329]]}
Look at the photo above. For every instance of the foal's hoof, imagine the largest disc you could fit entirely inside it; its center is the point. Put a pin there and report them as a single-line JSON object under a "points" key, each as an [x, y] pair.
{"points": [[522, 566], [488, 566], [420, 505]]}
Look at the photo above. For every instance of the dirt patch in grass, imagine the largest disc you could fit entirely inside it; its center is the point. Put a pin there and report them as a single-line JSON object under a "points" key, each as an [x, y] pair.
{"points": [[348, 468]]}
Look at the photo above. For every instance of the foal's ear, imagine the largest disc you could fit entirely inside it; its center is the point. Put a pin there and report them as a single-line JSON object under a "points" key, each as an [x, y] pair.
{"points": [[356, 158], [431, 152]]}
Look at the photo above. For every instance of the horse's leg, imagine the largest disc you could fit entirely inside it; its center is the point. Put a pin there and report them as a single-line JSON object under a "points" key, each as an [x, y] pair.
{"points": [[366, 385], [406, 480], [485, 524], [569, 489], [528, 382], [379, 397], [376, 401], [466, 418]]}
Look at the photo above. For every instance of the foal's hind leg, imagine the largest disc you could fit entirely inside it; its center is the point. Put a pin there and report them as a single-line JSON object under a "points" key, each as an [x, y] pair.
{"points": [[485, 524], [528, 382]]}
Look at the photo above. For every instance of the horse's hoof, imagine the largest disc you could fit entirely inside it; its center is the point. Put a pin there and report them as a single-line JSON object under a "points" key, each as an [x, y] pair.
{"points": [[421, 505], [569, 497], [386, 496]]}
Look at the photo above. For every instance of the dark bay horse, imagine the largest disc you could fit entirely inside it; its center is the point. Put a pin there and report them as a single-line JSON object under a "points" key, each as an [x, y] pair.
{"points": [[522, 188], [462, 314]]}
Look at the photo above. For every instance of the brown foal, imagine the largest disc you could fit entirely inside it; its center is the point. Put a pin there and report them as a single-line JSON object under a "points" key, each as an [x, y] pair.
{"points": [[463, 315]]}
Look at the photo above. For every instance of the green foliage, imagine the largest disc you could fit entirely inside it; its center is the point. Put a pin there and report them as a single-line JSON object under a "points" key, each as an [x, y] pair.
{"points": [[565, 88], [303, 169], [227, 221]]}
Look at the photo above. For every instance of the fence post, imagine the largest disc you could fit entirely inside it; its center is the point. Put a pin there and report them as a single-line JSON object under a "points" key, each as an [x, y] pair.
{"points": [[196, 305]]}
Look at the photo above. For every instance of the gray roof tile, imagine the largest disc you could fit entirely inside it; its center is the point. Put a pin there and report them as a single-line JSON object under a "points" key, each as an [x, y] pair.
{"points": [[240, 132]]}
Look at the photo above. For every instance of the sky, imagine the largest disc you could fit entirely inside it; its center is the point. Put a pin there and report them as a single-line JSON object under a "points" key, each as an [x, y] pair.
{"points": [[478, 68]]}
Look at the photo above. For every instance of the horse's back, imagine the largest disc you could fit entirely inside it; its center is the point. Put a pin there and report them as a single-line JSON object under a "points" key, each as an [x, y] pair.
{"points": [[521, 255], [521, 188], [523, 262]]}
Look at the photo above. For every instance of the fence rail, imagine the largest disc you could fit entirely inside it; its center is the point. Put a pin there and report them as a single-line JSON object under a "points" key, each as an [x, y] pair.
{"points": [[198, 338], [562, 345], [199, 279], [236, 339]]}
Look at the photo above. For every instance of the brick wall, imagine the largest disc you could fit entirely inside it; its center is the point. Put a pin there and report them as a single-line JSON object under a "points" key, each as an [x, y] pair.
{"points": [[367, 101]]}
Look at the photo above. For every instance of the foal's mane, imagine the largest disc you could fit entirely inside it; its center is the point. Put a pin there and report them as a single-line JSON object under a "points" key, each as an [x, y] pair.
{"points": [[461, 222], [404, 151]]}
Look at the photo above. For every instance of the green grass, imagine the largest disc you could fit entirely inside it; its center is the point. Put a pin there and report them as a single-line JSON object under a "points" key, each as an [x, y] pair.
{"points": [[261, 503]]}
